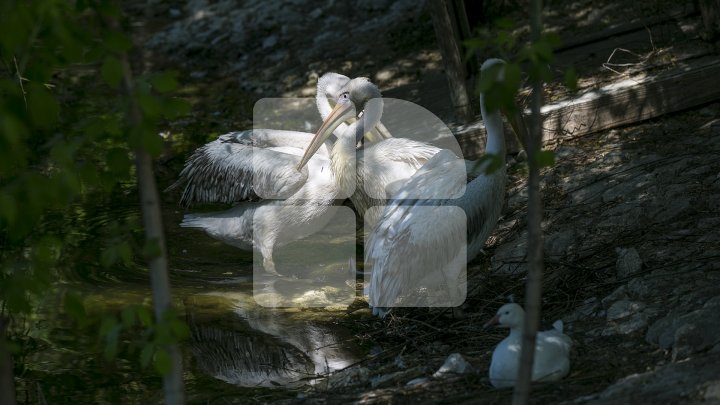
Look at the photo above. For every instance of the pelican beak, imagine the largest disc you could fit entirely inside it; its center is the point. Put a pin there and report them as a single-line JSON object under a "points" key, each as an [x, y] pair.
{"points": [[517, 122], [494, 321], [341, 113]]}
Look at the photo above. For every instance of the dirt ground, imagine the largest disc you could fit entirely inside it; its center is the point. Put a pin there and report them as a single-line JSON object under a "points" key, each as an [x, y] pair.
{"points": [[653, 187]]}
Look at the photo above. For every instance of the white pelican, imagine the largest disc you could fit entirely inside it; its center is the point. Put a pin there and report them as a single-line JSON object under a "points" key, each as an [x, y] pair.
{"points": [[418, 245], [257, 164], [371, 175], [552, 350]]}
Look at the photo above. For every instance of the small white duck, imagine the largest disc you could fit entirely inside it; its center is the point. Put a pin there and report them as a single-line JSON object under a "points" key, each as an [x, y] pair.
{"points": [[552, 350]]}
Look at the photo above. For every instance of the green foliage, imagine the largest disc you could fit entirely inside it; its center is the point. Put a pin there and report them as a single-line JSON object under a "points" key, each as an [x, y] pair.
{"points": [[66, 143], [501, 84], [545, 158]]}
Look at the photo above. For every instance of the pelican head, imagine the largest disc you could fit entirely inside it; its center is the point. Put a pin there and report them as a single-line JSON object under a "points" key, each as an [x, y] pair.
{"points": [[508, 316], [359, 99]]}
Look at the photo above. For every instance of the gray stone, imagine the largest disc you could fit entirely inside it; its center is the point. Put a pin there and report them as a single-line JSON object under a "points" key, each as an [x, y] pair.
{"points": [[693, 338], [397, 378], [620, 293], [373, 5], [454, 364], [623, 309], [628, 262], [690, 381], [642, 288], [558, 244], [315, 14], [269, 42], [417, 381], [349, 377], [510, 257]]}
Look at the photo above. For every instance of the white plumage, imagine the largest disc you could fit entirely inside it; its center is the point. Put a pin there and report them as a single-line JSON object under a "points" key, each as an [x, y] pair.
{"points": [[368, 176], [417, 252], [552, 350], [257, 168]]}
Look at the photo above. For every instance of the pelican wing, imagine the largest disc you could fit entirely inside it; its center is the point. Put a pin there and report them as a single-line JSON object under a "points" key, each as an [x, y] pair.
{"points": [[411, 244], [391, 163], [243, 166]]}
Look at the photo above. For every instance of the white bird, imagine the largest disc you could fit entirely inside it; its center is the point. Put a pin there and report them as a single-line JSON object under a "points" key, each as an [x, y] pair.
{"points": [[260, 164], [552, 350], [371, 175], [420, 246]]}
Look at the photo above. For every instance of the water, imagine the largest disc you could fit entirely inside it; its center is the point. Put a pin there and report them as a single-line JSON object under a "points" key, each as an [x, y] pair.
{"points": [[236, 346]]}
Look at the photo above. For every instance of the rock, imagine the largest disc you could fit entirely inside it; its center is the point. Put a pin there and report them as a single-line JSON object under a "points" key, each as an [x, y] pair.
{"points": [[694, 338], [510, 257], [628, 262], [623, 309], [625, 317], [394, 379], [417, 381], [198, 74], [697, 330], [618, 294], [558, 244], [174, 12], [635, 323], [454, 364], [690, 381], [269, 42], [315, 14], [372, 5], [565, 152], [348, 377]]}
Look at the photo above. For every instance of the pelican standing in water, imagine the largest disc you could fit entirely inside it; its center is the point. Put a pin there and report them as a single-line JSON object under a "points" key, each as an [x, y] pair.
{"points": [[373, 174], [420, 244], [261, 164]]}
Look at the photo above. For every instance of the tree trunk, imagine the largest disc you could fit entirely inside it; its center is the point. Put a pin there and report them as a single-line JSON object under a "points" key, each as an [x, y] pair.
{"points": [[533, 290], [173, 385], [452, 59]]}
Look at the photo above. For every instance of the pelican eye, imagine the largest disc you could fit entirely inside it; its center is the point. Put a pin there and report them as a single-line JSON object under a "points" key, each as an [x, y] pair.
{"points": [[344, 96]]}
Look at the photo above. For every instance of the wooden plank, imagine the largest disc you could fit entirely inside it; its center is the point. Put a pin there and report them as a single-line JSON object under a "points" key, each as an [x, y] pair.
{"points": [[633, 100], [621, 103], [620, 29], [452, 59]]}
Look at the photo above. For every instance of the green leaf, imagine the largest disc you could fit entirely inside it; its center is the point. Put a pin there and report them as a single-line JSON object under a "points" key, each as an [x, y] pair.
{"points": [[175, 108], [504, 23], [106, 325], [150, 105], [179, 328], [163, 363], [571, 79], [124, 252], [475, 43], [165, 82], [118, 161], [128, 317], [545, 158], [144, 315], [112, 340], [74, 306], [146, 354], [112, 71], [44, 108], [117, 41], [8, 208]]}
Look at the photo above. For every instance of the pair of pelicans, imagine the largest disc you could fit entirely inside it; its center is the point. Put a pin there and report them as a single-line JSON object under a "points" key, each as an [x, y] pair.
{"points": [[419, 239], [408, 247]]}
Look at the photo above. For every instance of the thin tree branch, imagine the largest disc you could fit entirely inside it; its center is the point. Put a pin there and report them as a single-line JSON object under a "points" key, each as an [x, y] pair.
{"points": [[533, 290]]}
